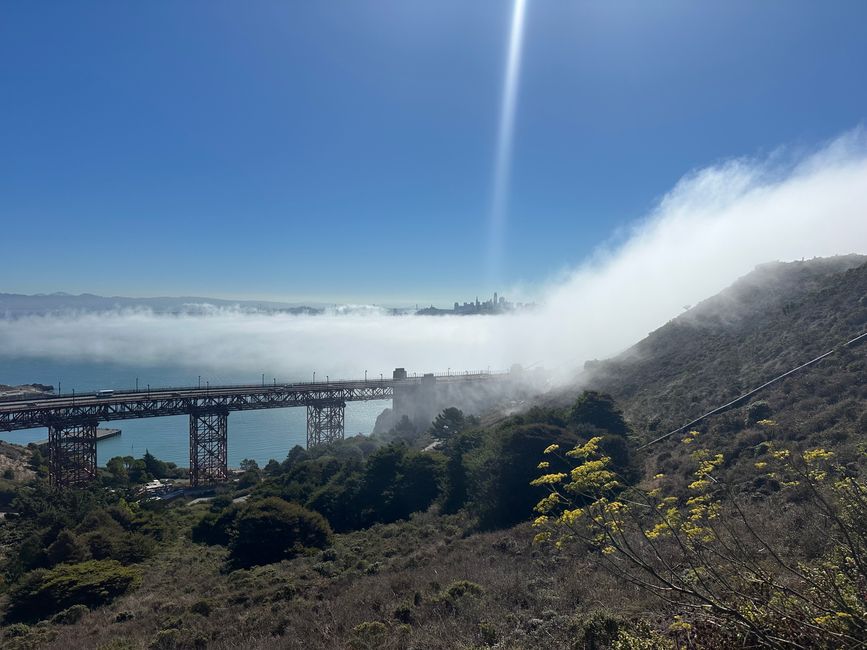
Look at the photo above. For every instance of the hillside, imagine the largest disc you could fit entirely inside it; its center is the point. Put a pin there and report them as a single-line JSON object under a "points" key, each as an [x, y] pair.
{"points": [[434, 549], [775, 318]]}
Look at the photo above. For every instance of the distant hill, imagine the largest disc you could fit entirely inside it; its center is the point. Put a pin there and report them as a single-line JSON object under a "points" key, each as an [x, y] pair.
{"points": [[15, 305], [769, 321]]}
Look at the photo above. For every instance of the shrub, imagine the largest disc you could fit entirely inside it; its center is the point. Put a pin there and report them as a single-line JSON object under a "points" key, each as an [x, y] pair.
{"points": [[41, 593], [368, 635], [17, 630], [215, 527], [66, 548], [71, 615], [758, 411], [201, 607], [272, 530]]}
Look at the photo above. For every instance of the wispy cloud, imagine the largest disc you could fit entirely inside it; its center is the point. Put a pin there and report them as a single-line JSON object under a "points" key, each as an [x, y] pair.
{"points": [[715, 225]]}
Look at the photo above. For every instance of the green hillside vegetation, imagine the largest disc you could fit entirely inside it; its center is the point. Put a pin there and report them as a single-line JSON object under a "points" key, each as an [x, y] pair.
{"points": [[376, 542]]}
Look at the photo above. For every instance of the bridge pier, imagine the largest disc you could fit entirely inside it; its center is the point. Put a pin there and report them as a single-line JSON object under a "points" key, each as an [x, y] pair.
{"points": [[71, 453], [325, 422], [208, 445]]}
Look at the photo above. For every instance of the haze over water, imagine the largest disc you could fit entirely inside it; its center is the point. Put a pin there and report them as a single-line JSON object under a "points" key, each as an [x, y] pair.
{"points": [[258, 435]]}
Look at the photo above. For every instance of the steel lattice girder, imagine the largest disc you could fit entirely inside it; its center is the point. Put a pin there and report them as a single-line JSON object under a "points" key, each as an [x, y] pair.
{"points": [[325, 422], [208, 446], [71, 453]]}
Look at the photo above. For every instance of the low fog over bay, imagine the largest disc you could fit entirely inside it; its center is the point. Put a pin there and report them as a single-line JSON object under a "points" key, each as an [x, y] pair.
{"points": [[713, 226]]}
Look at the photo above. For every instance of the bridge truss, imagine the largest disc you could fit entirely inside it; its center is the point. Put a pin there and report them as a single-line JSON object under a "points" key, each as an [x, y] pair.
{"points": [[72, 420]]}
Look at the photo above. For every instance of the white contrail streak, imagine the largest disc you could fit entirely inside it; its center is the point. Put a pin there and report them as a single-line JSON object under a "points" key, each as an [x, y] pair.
{"points": [[505, 139]]}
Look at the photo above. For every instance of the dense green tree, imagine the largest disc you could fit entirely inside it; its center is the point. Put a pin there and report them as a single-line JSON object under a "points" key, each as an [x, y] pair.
{"points": [[597, 410], [153, 466], [272, 530], [272, 468], [248, 465], [66, 548], [417, 484], [295, 456], [118, 470], [456, 484], [216, 527], [447, 424], [504, 467]]}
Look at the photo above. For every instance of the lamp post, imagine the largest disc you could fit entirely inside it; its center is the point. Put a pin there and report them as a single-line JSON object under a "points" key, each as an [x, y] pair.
{"points": [[263, 378], [365, 375], [136, 384], [200, 381], [314, 376]]}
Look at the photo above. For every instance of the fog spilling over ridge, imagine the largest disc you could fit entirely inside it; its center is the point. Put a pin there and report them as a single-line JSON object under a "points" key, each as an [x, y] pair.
{"points": [[715, 225]]}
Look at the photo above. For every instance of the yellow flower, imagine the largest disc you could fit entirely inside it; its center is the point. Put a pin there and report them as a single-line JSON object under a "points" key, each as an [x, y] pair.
{"points": [[817, 454], [679, 625], [549, 479], [761, 465], [543, 465], [551, 449]]}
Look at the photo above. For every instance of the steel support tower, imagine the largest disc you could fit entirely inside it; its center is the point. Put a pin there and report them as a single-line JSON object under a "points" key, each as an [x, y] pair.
{"points": [[208, 445], [71, 453], [325, 420]]}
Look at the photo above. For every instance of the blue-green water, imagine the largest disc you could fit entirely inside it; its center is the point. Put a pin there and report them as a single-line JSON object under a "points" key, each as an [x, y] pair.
{"points": [[259, 435]]}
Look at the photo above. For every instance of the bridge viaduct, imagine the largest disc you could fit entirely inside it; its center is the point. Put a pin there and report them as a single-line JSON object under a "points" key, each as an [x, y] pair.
{"points": [[72, 420]]}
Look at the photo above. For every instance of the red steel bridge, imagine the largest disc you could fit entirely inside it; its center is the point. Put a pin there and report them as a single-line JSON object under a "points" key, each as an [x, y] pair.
{"points": [[72, 420]]}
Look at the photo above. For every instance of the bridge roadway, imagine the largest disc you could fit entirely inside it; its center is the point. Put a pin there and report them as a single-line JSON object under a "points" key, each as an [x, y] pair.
{"points": [[72, 419]]}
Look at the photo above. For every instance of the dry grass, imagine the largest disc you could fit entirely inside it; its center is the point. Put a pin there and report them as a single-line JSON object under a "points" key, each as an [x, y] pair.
{"points": [[401, 585]]}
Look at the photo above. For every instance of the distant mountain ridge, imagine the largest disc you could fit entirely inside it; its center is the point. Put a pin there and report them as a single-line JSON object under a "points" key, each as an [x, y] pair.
{"points": [[17, 305]]}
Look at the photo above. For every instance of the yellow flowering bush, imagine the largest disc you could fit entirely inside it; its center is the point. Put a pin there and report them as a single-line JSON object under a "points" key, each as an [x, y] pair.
{"points": [[702, 552]]}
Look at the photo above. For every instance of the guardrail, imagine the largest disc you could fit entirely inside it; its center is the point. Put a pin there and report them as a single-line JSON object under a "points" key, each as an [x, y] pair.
{"points": [[120, 392]]}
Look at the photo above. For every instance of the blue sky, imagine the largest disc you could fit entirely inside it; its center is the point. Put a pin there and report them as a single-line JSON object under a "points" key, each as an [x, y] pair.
{"points": [[344, 151]]}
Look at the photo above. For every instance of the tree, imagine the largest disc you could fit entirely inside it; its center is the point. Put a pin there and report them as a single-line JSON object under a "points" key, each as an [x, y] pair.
{"points": [[456, 483], [272, 530], [417, 483], [153, 466], [597, 410], [296, 455], [118, 470], [66, 548], [502, 469], [447, 424], [272, 468], [248, 465]]}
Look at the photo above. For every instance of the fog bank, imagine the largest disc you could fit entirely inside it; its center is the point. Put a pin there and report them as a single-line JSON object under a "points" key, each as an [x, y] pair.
{"points": [[715, 225]]}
